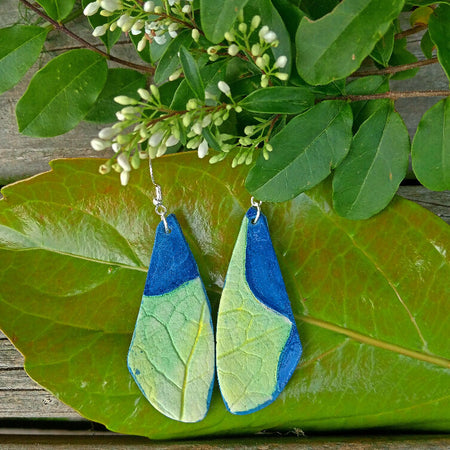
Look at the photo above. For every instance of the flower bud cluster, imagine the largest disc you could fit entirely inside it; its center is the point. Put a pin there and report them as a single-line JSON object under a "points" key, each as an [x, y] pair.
{"points": [[147, 128], [255, 43], [154, 22]]}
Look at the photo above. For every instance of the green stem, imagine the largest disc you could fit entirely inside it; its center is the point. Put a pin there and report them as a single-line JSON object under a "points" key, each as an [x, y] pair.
{"points": [[395, 69]]}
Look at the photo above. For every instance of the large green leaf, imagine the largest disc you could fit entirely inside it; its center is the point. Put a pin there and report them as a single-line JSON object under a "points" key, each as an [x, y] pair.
{"points": [[304, 152], [439, 28], [218, 17], [334, 46], [370, 297], [20, 46], [279, 100], [57, 9], [192, 73], [431, 147], [369, 177], [61, 93], [118, 82], [383, 48]]}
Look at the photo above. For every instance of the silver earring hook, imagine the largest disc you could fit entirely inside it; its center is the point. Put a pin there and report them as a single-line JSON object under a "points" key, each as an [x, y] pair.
{"points": [[160, 209], [256, 204]]}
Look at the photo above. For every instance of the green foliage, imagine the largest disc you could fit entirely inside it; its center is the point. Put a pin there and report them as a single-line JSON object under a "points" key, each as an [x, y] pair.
{"points": [[75, 247], [304, 152], [440, 34], [376, 164], [242, 81], [334, 46], [61, 93], [431, 147]]}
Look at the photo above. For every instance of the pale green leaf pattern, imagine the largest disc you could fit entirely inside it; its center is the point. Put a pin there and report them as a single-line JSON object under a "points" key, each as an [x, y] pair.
{"points": [[250, 339], [172, 352]]}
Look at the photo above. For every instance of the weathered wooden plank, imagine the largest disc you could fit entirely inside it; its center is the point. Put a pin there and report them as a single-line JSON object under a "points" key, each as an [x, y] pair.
{"points": [[67, 441]]}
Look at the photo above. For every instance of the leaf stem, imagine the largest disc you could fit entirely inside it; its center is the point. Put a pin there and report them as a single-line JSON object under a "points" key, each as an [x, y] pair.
{"points": [[86, 44], [391, 95], [395, 69], [409, 31]]}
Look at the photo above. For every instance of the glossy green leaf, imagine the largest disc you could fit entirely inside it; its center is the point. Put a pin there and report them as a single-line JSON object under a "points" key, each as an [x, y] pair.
{"points": [[192, 73], [57, 9], [304, 152], [291, 15], [425, 2], [279, 100], [439, 28], [370, 298], [118, 82], [271, 18], [369, 177], [20, 47], [217, 17], [431, 147], [400, 56], [334, 46], [110, 37], [363, 109], [427, 45], [315, 9], [61, 93], [383, 48], [170, 61]]}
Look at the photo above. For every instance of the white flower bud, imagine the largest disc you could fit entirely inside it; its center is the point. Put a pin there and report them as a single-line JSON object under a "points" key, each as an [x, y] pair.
{"points": [[233, 50], [171, 141], [249, 130], [155, 91], [186, 9], [264, 81], [203, 149], [281, 62], [116, 147], [229, 36], [156, 138], [158, 10], [142, 44], [91, 8], [123, 162], [113, 26], [264, 30], [223, 87], [173, 34], [256, 21], [120, 116], [144, 94], [98, 144], [260, 62], [256, 49], [111, 5], [195, 34], [107, 133], [191, 104], [100, 30], [105, 13], [268, 147], [124, 177], [270, 37], [282, 76], [138, 25], [104, 169], [175, 75], [186, 120], [238, 109], [242, 27], [125, 100], [206, 120], [197, 128], [149, 7]]}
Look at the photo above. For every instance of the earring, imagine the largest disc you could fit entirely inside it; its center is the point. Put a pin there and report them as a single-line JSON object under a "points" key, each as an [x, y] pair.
{"points": [[171, 356], [258, 346]]}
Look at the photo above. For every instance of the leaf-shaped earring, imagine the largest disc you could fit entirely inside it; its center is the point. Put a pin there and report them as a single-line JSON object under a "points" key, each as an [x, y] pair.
{"points": [[258, 346], [171, 356]]}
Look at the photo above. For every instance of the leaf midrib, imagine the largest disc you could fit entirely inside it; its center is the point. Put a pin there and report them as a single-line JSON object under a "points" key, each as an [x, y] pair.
{"points": [[28, 41], [283, 171], [363, 338]]}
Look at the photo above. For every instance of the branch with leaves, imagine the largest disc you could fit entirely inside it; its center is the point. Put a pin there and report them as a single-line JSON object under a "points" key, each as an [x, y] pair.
{"points": [[261, 84]]}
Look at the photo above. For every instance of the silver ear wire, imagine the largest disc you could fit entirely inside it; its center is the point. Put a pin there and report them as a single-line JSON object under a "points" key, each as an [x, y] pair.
{"points": [[160, 209], [256, 204]]}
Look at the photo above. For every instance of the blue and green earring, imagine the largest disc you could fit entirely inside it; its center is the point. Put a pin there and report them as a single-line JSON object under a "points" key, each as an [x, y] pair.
{"points": [[258, 346], [171, 356]]}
